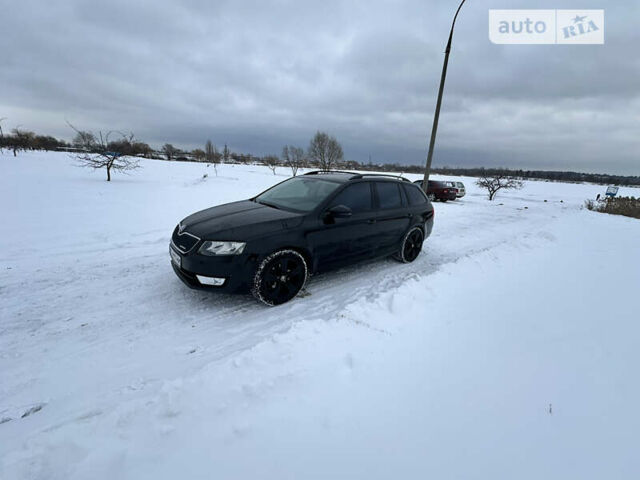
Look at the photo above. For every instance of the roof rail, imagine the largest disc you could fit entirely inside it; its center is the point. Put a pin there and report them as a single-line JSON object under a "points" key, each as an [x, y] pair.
{"points": [[356, 176], [326, 172], [389, 175]]}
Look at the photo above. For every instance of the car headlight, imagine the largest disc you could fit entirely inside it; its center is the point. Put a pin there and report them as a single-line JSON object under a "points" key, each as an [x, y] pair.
{"points": [[212, 248]]}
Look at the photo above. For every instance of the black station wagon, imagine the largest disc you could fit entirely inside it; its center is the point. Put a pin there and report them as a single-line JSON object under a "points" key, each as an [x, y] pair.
{"points": [[271, 243]]}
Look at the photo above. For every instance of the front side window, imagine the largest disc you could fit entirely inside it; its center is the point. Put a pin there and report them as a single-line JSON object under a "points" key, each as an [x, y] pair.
{"points": [[298, 194], [389, 195], [357, 197]]}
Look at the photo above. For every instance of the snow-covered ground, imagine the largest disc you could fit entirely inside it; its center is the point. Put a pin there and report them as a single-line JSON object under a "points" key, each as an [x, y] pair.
{"points": [[507, 350]]}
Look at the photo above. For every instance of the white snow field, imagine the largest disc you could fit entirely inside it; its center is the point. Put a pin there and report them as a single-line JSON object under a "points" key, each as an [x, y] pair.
{"points": [[507, 350]]}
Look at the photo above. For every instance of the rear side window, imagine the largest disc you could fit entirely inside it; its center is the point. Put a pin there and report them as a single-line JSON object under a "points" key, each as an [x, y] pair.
{"points": [[415, 195], [389, 195], [357, 197]]}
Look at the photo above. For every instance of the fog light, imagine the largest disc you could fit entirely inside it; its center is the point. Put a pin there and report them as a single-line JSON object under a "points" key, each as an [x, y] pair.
{"points": [[213, 281]]}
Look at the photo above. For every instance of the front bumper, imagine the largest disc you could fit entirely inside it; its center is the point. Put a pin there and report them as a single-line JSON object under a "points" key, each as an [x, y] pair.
{"points": [[237, 270]]}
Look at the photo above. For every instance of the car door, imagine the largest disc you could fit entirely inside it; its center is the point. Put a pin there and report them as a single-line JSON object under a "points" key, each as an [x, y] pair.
{"points": [[343, 240], [393, 218]]}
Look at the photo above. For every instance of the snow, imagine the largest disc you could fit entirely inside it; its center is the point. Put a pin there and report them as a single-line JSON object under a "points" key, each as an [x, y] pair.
{"points": [[507, 350]]}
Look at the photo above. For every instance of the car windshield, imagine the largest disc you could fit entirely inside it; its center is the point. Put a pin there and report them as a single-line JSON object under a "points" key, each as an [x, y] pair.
{"points": [[299, 194]]}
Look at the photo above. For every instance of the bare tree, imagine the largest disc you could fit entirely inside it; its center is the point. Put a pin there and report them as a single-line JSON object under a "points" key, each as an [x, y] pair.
{"points": [[97, 151], [169, 151], [47, 142], [1, 133], [271, 161], [294, 158], [325, 151], [84, 140], [22, 140], [498, 182], [141, 148], [211, 155], [226, 154], [198, 154]]}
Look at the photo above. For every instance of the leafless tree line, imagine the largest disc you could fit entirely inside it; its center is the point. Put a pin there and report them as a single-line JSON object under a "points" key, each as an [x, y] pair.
{"points": [[324, 152], [20, 140], [114, 150], [117, 151]]}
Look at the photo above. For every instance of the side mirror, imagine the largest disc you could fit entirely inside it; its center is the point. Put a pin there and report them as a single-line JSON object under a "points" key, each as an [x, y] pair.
{"points": [[338, 211]]}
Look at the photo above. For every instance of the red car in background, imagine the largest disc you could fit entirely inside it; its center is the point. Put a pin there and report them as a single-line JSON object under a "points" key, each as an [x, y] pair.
{"points": [[439, 191]]}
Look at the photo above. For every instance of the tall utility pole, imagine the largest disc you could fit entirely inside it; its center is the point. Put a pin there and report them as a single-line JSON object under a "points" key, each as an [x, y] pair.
{"points": [[436, 116]]}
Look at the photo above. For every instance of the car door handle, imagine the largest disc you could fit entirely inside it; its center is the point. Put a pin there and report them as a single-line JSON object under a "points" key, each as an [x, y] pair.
{"points": [[371, 220]]}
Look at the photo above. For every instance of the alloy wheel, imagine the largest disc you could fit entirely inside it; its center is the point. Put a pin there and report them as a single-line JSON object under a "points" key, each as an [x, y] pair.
{"points": [[280, 277], [412, 245]]}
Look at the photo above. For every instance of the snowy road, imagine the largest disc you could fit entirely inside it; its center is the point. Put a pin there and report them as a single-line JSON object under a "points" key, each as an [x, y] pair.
{"points": [[97, 332]]}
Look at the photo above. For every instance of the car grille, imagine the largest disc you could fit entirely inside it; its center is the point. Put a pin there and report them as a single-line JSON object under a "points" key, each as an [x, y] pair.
{"points": [[184, 241]]}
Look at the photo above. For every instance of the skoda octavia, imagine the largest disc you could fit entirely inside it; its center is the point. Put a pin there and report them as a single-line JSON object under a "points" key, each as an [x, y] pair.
{"points": [[271, 243]]}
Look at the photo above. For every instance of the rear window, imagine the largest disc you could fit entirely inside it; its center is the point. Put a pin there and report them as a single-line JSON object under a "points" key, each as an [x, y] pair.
{"points": [[389, 195], [415, 195], [357, 197]]}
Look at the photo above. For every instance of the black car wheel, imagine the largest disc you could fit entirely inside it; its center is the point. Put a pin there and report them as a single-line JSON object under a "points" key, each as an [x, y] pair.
{"points": [[280, 277], [431, 197], [411, 245]]}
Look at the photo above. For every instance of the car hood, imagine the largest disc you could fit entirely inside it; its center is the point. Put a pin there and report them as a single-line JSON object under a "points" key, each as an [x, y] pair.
{"points": [[242, 221]]}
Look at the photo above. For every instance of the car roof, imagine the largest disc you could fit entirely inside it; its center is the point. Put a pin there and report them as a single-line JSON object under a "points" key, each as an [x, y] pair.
{"points": [[344, 177]]}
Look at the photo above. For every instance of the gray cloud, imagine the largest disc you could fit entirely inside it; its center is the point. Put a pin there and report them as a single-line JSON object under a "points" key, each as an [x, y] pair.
{"points": [[257, 75]]}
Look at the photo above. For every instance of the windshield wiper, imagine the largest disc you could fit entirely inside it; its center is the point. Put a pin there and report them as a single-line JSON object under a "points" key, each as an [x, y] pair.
{"points": [[261, 202]]}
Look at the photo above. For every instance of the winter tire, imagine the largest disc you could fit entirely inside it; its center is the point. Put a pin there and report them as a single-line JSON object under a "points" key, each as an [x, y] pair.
{"points": [[431, 197], [411, 245], [280, 277]]}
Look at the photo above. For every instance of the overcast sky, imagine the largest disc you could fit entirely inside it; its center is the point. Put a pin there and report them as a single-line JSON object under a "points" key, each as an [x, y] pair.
{"points": [[261, 74]]}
